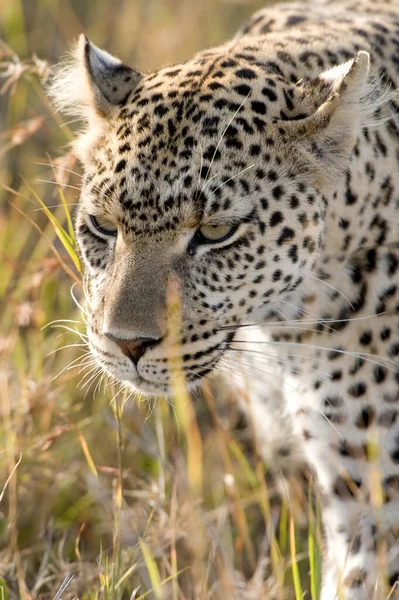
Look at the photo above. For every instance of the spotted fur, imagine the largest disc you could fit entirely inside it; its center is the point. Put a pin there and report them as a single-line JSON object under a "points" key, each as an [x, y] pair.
{"points": [[287, 135]]}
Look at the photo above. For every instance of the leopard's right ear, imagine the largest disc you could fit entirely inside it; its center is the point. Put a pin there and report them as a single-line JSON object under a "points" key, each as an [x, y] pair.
{"points": [[92, 83]]}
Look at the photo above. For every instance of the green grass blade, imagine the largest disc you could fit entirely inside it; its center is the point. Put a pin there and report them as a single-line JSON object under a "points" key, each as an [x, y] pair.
{"points": [[294, 565], [67, 215], [314, 552], [151, 568], [63, 235]]}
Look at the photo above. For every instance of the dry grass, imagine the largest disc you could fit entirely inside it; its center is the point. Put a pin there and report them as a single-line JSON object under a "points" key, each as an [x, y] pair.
{"points": [[107, 496]]}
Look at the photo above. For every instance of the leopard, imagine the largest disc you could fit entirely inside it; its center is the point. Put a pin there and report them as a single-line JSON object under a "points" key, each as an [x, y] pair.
{"points": [[256, 187]]}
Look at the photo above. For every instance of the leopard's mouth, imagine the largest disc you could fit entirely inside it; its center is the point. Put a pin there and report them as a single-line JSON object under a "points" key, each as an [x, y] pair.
{"points": [[170, 388], [165, 382]]}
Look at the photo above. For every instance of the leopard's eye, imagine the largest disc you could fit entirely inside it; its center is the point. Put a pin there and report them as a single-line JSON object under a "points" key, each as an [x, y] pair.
{"points": [[104, 225], [215, 233]]}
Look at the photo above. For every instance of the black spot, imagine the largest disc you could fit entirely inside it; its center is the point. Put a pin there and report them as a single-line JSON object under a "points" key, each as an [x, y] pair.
{"points": [[286, 234], [380, 374], [246, 74], [366, 338], [295, 20], [395, 454], [228, 63], [276, 218], [270, 94], [160, 110], [336, 375], [120, 166], [277, 191], [259, 123], [365, 417], [394, 350], [233, 143], [243, 89], [293, 253], [357, 389], [258, 107], [343, 223], [392, 264], [350, 197], [294, 202]]}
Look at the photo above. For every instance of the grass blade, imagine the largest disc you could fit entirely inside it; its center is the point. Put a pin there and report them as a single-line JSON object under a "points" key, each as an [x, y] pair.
{"points": [[295, 571], [151, 568]]}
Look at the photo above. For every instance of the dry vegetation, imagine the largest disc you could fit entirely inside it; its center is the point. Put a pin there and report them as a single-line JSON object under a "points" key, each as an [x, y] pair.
{"points": [[104, 496]]}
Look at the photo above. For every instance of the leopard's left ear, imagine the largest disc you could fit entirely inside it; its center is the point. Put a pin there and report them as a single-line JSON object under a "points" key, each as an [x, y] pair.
{"points": [[92, 83], [337, 104]]}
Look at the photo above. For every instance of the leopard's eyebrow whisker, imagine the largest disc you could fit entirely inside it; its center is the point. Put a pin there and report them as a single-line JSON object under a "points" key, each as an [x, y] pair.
{"points": [[200, 169], [209, 181], [233, 177], [223, 134]]}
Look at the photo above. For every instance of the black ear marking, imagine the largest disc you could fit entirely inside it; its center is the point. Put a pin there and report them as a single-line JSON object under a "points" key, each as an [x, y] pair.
{"points": [[111, 81]]}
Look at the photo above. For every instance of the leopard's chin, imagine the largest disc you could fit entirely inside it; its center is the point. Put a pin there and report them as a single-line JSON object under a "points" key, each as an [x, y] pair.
{"points": [[156, 388], [149, 388]]}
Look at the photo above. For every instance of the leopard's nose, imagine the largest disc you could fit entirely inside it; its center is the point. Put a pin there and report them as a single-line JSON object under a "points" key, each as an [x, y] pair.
{"points": [[133, 349]]}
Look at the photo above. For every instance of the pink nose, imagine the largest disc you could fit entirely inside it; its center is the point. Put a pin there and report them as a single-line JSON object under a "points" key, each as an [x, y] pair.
{"points": [[134, 349]]}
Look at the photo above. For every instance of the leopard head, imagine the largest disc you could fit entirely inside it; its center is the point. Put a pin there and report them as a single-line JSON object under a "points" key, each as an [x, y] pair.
{"points": [[205, 187]]}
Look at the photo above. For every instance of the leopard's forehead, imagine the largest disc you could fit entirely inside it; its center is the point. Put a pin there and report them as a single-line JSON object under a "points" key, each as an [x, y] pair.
{"points": [[188, 144]]}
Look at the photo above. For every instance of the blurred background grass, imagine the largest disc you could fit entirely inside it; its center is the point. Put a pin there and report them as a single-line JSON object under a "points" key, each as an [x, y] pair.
{"points": [[113, 497]]}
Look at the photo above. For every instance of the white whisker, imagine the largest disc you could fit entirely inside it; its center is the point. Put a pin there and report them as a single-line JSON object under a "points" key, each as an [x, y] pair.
{"points": [[233, 177], [67, 185]]}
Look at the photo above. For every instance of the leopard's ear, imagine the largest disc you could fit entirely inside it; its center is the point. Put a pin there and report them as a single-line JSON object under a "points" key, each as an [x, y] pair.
{"points": [[336, 104], [92, 83]]}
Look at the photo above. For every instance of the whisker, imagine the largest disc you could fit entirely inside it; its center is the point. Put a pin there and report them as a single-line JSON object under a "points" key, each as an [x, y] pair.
{"points": [[200, 169], [54, 206], [209, 181], [60, 321], [233, 176], [223, 134], [299, 321], [101, 380], [76, 301], [82, 336], [283, 362], [69, 366], [65, 347], [331, 287], [304, 312], [363, 355], [67, 185], [90, 375], [55, 166]]}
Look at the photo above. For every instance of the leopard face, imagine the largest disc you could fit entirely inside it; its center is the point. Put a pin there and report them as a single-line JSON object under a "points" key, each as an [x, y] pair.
{"points": [[205, 184]]}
